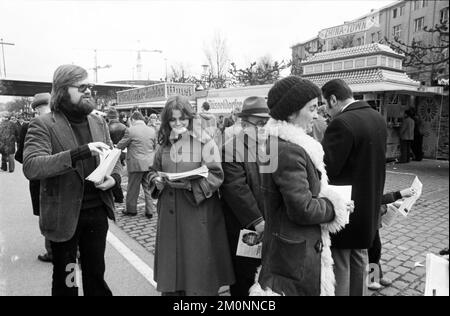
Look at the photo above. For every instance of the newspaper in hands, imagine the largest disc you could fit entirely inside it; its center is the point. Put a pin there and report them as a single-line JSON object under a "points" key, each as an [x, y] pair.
{"points": [[108, 160], [202, 172], [408, 203], [249, 244]]}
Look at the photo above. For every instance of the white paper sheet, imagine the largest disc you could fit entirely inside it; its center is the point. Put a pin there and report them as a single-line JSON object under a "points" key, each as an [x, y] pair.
{"points": [[408, 203], [203, 171], [436, 282], [108, 160], [345, 191]]}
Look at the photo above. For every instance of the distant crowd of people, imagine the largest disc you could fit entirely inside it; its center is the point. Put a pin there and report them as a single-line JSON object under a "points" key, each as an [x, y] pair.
{"points": [[271, 166]]}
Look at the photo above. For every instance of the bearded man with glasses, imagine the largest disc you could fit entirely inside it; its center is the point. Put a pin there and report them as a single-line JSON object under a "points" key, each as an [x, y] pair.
{"points": [[61, 150]]}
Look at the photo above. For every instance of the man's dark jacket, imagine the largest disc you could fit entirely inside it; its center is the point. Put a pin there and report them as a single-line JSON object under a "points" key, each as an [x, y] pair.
{"points": [[34, 184], [47, 158], [241, 190], [355, 154]]}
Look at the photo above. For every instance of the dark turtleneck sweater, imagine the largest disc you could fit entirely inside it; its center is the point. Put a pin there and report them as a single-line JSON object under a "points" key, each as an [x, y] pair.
{"points": [[82, 155]]}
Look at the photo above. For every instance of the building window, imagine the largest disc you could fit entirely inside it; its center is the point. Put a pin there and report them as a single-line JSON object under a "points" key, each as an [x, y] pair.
{"points": [[394, 13], [417, 4], [418, 24], [402, 11], [424, 3], [374, 37], [444, 16], [397, 31]]}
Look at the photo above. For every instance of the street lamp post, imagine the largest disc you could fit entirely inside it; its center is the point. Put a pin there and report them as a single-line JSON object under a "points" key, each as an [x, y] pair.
{"points": [[3, 53]]}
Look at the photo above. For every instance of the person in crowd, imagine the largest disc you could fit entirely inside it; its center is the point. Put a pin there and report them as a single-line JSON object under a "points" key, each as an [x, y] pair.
{"points": [[319, 126], [208, 120], [60, 151], [419, 132], [192, 255], [375, 250], [41, 105], [153, 123], [406, 136], [355, 146], [116, 132], [232, 126], [241, 190], [300, 208], [8, 134], [140, 141]]}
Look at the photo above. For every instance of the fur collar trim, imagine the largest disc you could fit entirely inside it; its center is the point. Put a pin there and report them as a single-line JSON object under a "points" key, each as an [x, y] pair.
{"points": [[297, 135]]}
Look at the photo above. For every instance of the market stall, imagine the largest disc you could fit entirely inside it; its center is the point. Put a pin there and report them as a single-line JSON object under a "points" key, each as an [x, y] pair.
{"points": [[375, 74]]}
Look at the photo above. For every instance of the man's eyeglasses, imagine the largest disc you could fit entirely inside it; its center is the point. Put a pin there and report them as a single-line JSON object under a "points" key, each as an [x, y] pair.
{"points": [[260, 123], [82, 87]]}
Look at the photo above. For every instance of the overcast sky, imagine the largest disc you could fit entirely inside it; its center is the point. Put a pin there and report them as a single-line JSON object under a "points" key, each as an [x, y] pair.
{"points": [[50, 33]]}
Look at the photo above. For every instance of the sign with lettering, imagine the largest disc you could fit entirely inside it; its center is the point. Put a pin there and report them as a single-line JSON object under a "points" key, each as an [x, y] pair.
{"points": [[350, 28], [222, 105], [156, 92]]}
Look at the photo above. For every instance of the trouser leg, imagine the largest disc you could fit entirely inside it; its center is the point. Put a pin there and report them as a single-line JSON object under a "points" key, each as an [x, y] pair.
{"points": [[149, 206], [374, 259], [133, 188], [65, 273], [358, 272], [4, 162], [341, 258], [92, 246], [11, 163], [245, 272]]}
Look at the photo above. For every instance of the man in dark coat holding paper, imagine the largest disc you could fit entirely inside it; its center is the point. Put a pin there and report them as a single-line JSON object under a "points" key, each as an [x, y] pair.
{"points": [[60, 151], [241, 192], [355, 146]]}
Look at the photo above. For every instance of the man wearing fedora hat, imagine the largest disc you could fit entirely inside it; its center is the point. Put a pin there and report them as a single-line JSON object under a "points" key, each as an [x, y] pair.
{"points": [[41, 105], [241, 191]]}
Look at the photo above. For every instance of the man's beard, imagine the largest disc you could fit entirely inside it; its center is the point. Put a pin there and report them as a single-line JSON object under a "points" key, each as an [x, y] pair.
{"points": [[85, 106]]}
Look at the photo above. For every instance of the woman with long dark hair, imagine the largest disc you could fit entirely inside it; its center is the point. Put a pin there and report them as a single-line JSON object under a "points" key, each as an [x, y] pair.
{"points": [[192, 256]]}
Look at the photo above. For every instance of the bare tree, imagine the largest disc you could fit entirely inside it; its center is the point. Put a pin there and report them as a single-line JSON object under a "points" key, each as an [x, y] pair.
{"points": [[179, 73], [217, 54], [265, 71], [430, 52]]}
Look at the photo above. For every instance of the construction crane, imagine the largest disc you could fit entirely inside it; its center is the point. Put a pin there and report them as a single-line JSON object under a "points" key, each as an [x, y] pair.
{"points": [[138, 59]]}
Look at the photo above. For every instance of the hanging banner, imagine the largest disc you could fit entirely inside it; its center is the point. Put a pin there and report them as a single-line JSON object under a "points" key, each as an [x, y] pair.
{"points": [[351, 28]]}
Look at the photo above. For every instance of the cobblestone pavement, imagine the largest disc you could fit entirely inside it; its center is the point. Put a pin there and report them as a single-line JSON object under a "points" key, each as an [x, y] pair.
{"points": [[405, 243]]}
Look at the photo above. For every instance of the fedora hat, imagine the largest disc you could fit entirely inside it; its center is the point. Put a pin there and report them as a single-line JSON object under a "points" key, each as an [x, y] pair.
{"points": [[40, 99], [254, 106]]}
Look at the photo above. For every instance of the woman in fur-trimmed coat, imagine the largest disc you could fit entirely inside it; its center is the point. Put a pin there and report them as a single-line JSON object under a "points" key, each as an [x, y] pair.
{"points": [[300, 209]]}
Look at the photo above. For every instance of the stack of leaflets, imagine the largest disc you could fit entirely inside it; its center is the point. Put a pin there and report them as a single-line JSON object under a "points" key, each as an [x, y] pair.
{"points": [[436, 280], [201, 172], [345, 191], [108, 160]]}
